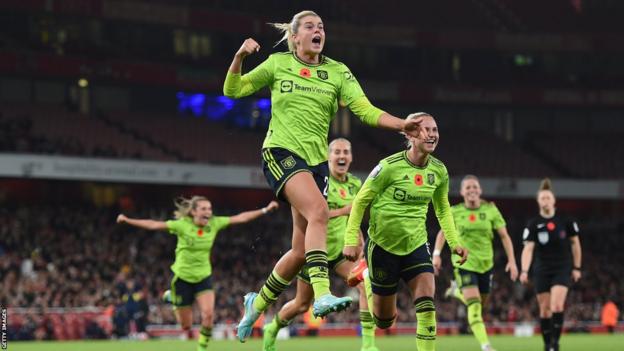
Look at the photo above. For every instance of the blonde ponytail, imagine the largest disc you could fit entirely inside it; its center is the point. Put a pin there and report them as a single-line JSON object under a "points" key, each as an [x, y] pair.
{"points": [[288, 29], [184, 206]]}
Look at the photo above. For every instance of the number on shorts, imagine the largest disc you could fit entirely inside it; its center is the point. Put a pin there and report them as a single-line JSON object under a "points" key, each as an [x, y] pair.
{"points": [[326, 186]]}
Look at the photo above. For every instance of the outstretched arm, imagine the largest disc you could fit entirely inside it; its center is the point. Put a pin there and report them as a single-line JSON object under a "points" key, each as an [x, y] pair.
{"points": [[249, 216], [512, 266], [237, 85], [147, 224]]}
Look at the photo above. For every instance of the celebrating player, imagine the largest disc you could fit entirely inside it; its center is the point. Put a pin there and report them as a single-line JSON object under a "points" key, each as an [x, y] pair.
{"points": [[553, 239], [196, 229], [399, 190], [306, 89], [476, 219], [342, 189]]}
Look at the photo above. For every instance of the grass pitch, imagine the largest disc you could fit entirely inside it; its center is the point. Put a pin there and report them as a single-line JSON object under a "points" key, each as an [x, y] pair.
{"points": [[572, 342]]}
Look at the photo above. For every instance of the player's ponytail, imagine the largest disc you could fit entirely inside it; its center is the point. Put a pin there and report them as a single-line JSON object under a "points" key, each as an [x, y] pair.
{"points": [[184, 206], [288, 29], [546, 184]]}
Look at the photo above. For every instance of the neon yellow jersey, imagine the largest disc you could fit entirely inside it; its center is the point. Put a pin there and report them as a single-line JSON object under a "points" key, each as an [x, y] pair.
{"points": [[304, 100], [399, 194], [192, 261], [476, 231], [340, 194]]}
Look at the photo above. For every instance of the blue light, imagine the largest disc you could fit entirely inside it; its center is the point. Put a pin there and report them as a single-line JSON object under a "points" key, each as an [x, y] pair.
{"points": [[264, 104], [226, 102]]}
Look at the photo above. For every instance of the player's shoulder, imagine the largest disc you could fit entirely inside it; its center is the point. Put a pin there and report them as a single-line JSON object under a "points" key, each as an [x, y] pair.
{"points": [[488, 205], [354, 179], [458, 207], [436, 162]]}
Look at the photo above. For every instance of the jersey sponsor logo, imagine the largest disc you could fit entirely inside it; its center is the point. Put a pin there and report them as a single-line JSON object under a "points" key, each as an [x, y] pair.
{"points": [[525, 234], [322, 74], [305, 72], [288, 163], [286, 86], [543, 237], [430, 178], [313, 90], [399, 194], [375, 172], [551, 226], [418, 179], [482, 216]]}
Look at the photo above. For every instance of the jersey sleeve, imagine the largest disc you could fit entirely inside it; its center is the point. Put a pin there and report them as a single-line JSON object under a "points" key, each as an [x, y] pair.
{"points": [[374, 184], [498, 221], [237, 85], [221, 222], [174, 226], [352, 96], [529, 233], [573, 228], [443, 212]]}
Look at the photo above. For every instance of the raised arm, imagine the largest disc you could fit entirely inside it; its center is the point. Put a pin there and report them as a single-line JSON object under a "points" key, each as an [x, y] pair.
{"points": [[525, 261], [147, 224], [249, 216], [437, 250], [237, 85], [575, 243], [511, 266]]}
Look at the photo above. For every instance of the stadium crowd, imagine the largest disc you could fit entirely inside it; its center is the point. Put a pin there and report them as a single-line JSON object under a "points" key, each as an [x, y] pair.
{"points": [[76, 257]]}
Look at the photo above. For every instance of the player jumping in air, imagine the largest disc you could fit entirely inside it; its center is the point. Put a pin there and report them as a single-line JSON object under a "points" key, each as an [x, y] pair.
{"points": [[306, 89], [399, 191], [476, 220], [196, 229], [552, 238], [343, 186]]}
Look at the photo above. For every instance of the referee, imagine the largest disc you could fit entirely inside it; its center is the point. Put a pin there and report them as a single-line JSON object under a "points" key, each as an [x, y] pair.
{"points": [[552, 238]]}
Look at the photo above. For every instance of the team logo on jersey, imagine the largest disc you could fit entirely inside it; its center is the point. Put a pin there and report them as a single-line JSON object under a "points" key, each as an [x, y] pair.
{"points": [[286, 86], [418, 179], [550, 226], [288, 163], [322, 74], [305, 72], [482, 216], [431, 178], [399, 194], [351, 189], [543, 237]]}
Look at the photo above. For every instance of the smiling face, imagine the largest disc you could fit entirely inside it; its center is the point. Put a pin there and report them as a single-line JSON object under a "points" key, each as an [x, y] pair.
{"points": [[340, 158], [310, 36], [433, 136], [546, 201], [470, 190], [202, 212]]}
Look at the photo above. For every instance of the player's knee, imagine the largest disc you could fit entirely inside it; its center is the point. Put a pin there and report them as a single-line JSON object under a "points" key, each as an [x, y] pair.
{"points": [[383, 323], [303, 306], [318, 214], [556, 308], [206, 317], [186, 325]]}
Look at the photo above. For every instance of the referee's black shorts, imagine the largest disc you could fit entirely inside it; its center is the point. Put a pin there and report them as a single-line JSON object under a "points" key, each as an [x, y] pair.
{"points": [[546, 279]]}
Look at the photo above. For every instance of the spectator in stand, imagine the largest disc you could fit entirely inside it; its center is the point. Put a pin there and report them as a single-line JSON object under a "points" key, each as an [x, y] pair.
{"points": [[609, 315]]}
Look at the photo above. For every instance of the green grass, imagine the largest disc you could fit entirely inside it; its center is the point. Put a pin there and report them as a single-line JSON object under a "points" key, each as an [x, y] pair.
{"points": [[578, 342]]}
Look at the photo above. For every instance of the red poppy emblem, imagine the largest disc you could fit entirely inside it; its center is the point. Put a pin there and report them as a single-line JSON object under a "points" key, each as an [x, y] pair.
{"points": [[304, 72], [200, 232], [343, 193], [550, 226], [472, 217], [418, 179]]}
